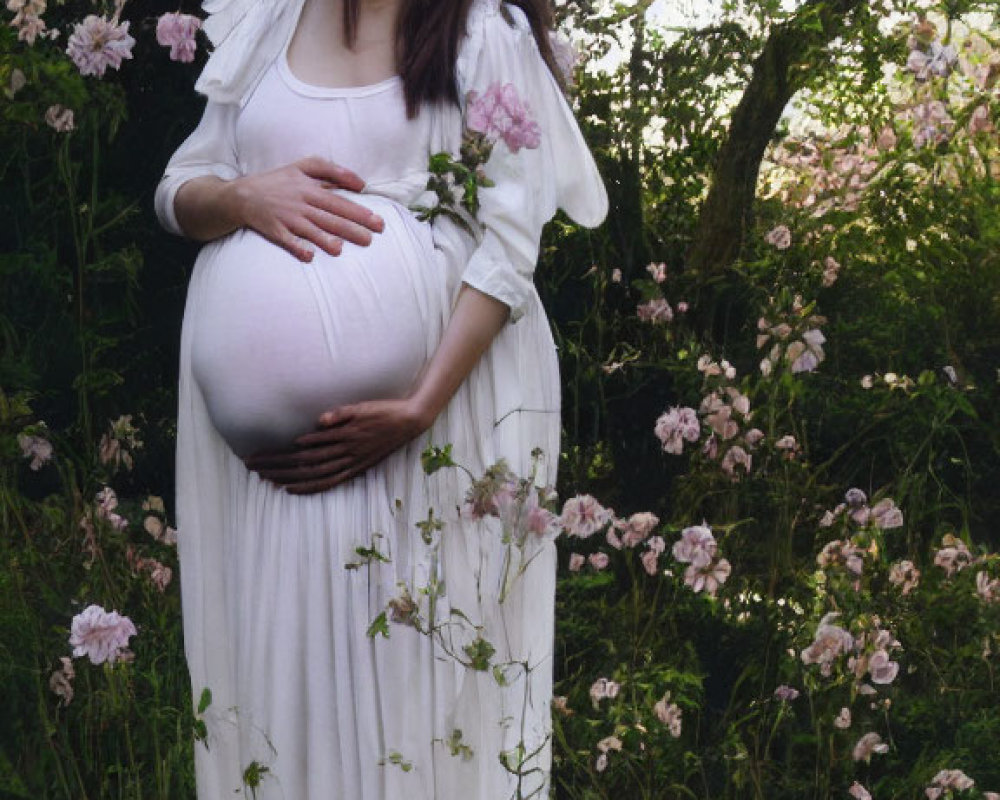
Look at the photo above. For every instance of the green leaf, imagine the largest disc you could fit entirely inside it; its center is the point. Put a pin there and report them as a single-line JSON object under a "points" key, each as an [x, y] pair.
{"points": [[435, 458], [379, 626], [205, 701]]}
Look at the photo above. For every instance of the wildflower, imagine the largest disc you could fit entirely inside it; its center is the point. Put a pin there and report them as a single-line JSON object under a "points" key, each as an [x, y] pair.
{"points": [[609, 743], [697, 544], [867, 746], [576, 562], [882, 670], [843, 719], [842, 553], [988, 590], [658, 272], [735, 457], [616, 275], [599, 561], [932, 124], [831, 271], [905, 575], [677, 425], [28, 20], [177, 31], [61, 681], [107, 502], [603, 688], [100, 635], [403, 609], [886, 515], [785, 693], [98, 43], [806, 355], [939, 60], [655, 311], [583, 516], [118, 442], [669, 714], [59, 118], [859, 792], [954, 555], [560, 703], [650, 562], [887, 139], [753, 437], [789, 444], [948, 780], [37, 448], [829, 642], [708, 577], [638, 527], [682, 307], [500, 113], [601, 763], [481, 497], [780, 237]]}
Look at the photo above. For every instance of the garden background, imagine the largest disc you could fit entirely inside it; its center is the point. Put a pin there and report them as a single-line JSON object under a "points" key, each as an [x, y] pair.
{"points": [[780, 369]]}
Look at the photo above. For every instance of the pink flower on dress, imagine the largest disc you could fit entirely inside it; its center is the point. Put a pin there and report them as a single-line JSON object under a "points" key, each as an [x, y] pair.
{"points": [[100, 635], [177, 31], [98, 43], [500, 113]]}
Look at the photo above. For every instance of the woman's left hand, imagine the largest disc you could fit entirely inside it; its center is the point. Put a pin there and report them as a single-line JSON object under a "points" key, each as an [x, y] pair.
{"points": [[350, 440]]}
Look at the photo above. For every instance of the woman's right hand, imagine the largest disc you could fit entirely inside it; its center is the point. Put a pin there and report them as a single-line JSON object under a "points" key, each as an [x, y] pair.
{"points": [[293, 206]]}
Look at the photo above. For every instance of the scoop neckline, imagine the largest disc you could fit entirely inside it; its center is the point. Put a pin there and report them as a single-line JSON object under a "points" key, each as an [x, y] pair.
{"points": [[315, 90]]}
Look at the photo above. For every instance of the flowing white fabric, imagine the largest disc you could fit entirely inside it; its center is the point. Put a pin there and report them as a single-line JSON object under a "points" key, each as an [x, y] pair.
{"points": [[275, 621]]}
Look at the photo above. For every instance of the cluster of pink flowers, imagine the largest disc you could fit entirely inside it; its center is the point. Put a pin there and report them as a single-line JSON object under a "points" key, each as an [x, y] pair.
{"points": [[725, 413], [588, 515], [988, 589], [499, 113], [872, 657], [603, 689], [953, 555], [159, 574], [885, 514], [35, 447], [786, 693], [101, 635], [583, 516], [119, 442], [28, 20], [868, 656], [842, 554], [697, 548], [931, 59], [98, 43], [107, 502], [859, 792], [177, 31], [949, 780], [657, 310], [779, 237], [794, 339]]}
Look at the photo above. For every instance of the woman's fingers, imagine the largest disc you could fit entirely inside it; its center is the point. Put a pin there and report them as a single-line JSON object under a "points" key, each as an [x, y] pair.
{"points": [[303, 456], [324, 169], [337, 225], [308, 473]]}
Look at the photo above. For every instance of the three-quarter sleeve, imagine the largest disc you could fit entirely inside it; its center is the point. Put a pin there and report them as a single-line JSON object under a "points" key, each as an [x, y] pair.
{"points": [[209, 150], [531, 184]]}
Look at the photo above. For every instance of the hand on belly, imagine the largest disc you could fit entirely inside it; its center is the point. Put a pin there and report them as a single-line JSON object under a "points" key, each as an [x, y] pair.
{"points": [[354, 438]]}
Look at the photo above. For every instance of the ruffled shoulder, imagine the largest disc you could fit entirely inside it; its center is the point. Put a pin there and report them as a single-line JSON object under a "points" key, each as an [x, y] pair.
{"points": [[247, 36], [482, 15]]}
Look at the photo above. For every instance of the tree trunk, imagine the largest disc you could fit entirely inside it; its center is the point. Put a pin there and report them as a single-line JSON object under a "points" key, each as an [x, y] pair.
{"points": [[794, 50]]}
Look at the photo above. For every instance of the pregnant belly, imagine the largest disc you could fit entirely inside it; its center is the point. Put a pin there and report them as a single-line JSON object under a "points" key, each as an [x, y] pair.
{"points": [[277, 341]]}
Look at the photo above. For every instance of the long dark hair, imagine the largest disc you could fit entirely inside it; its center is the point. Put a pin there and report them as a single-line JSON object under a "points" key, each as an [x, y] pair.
{"points": [[427, 39]]}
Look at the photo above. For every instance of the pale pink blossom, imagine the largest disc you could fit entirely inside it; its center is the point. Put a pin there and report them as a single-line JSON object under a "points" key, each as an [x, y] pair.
{"points": [[954, 555], [780, 237], [616, 275], [887, 139], [37, 448], [787, 442], [859, 792], [711, 447], [843, 719], [658, 272], [937, 60], [867, 746], [669, 714], [831, 271], [677, 425], [806, 355], [656, 311], [61, 681], [650, 562], [98, 43], [500, 113], [611, 536], [59, 118], [988, 590], [753, 437], [786, 693], [656, 544], [638, 528], [736, 457], [829, 642], [177, 31], [100, 635], [682, 307], [599, 561], [603, 688], [882, 670], [708, 577], [696, 545], [886, 515], [905, 575], [107, 502], [842, 553], [583, 516], [576, 562], [28, 20], [951, 780], [601, 763]]}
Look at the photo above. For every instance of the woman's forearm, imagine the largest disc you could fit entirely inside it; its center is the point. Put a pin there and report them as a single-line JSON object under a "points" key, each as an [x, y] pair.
{"points": [[475, 322], [208, 207]]}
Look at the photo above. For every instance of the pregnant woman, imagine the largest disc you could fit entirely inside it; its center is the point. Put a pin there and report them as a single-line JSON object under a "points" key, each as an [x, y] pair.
{"points": [[330, 336]]}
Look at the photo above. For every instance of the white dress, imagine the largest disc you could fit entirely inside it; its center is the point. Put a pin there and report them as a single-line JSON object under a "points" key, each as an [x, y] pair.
{"points": [[277, 600]]}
